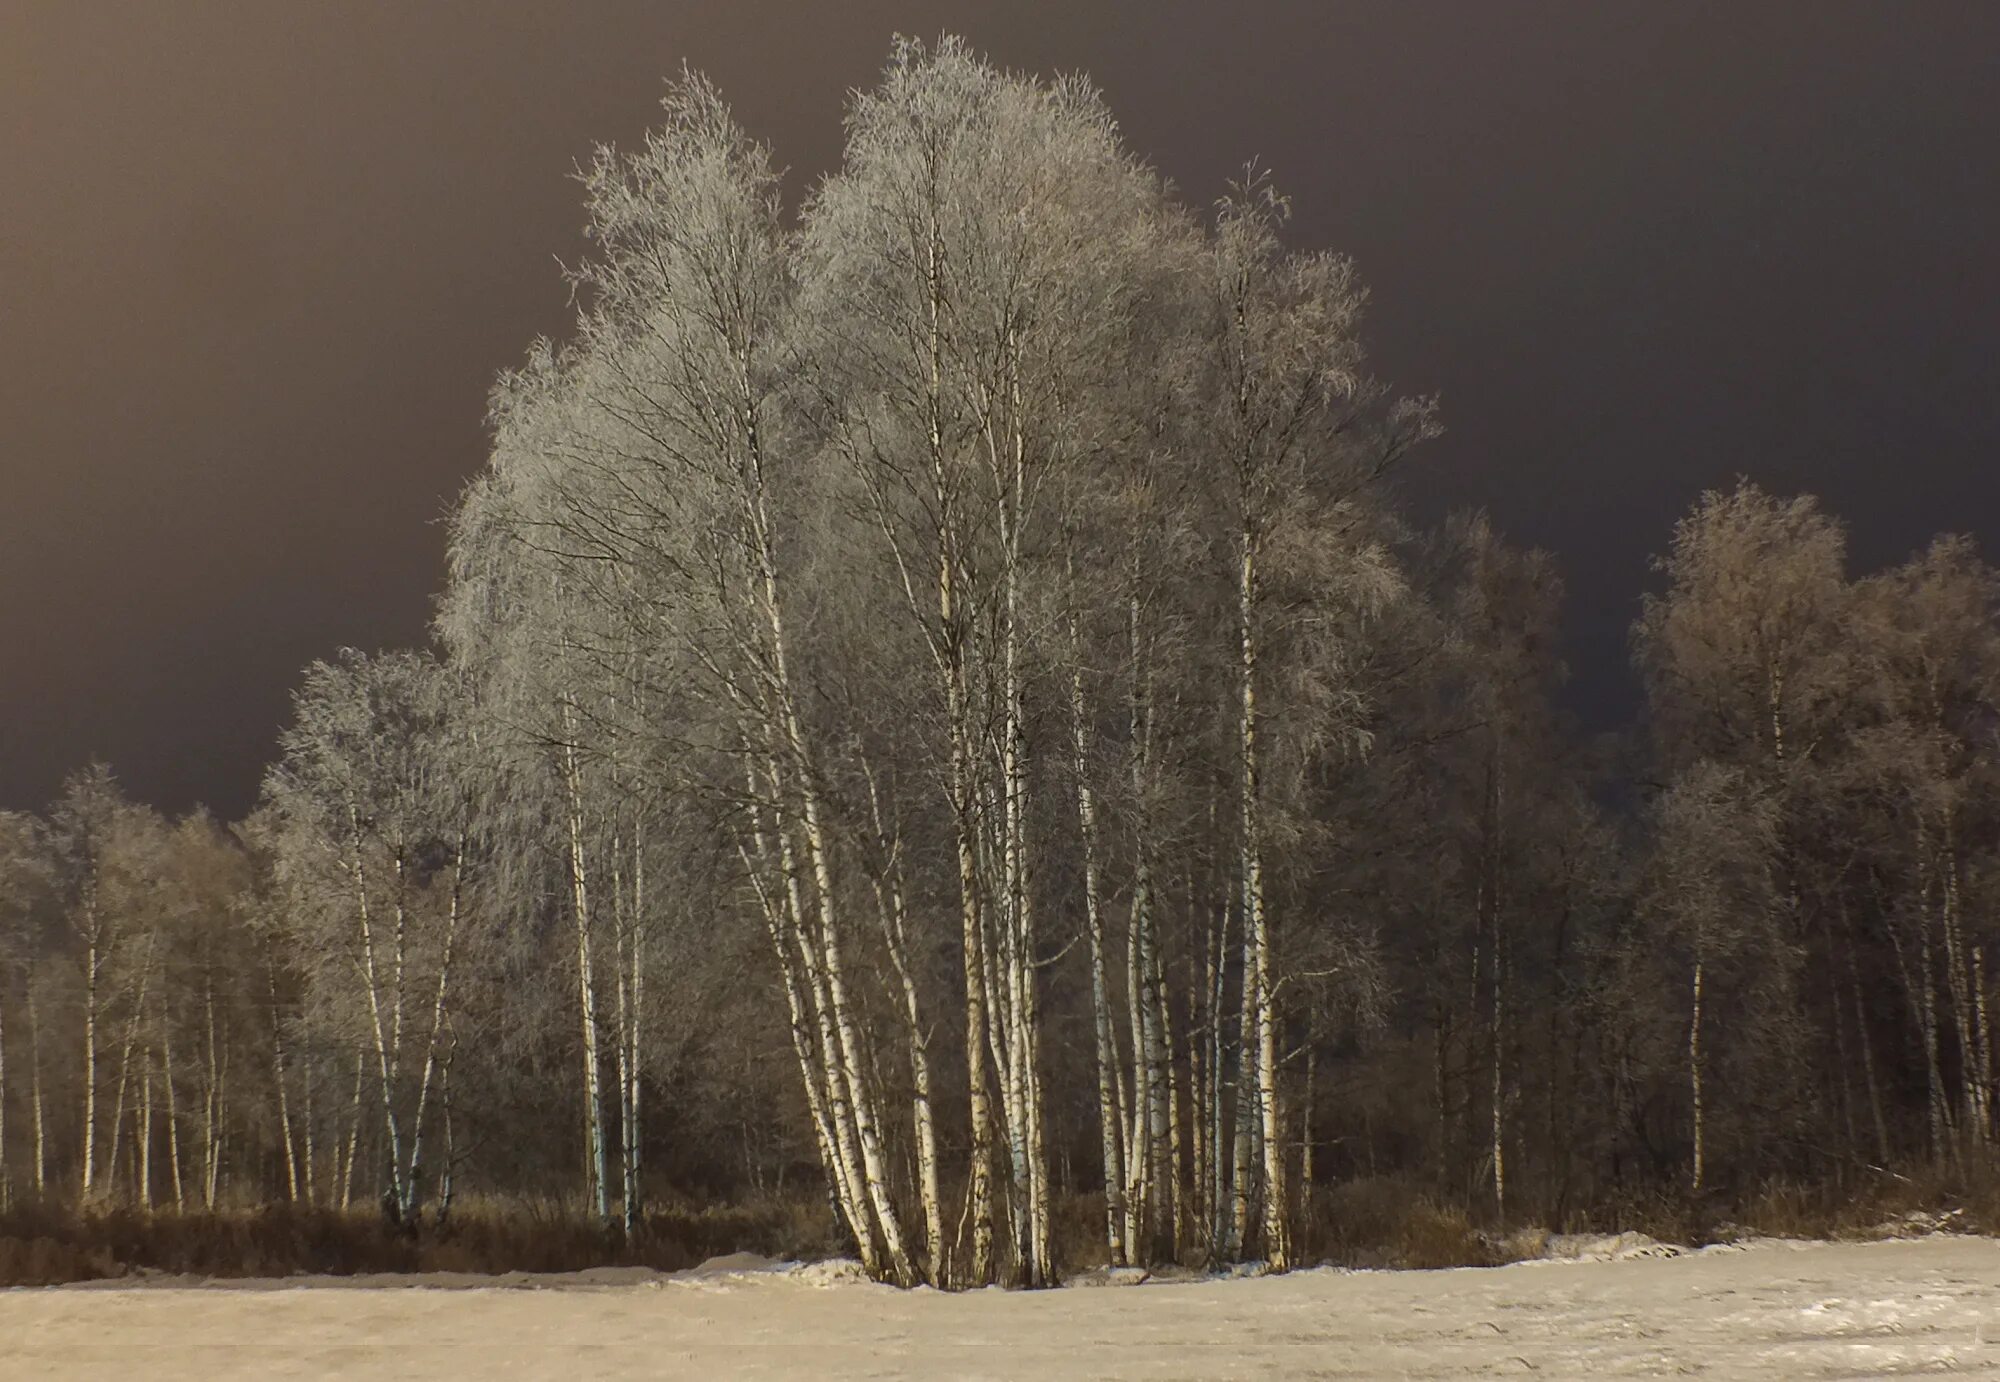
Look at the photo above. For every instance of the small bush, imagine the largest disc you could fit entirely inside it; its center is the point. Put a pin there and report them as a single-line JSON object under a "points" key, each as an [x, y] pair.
{"points": [[1389, 1222]]}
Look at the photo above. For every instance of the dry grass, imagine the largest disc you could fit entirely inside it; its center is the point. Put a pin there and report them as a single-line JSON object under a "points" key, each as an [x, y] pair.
{"points": [[1391, 1222], [1962, 1198], [1371, 1222], [43, 1245]]}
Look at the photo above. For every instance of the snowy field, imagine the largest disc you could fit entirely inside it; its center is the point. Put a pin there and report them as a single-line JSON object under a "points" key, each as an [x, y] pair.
{"points": [[1769, 1311]]}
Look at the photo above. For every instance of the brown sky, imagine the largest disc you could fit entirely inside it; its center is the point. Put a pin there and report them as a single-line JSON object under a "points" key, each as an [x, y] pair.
{"points": [[260, 258]]}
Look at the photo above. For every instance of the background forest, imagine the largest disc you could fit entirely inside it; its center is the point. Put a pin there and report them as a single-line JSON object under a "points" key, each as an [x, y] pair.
{"points": [[938, 721]]}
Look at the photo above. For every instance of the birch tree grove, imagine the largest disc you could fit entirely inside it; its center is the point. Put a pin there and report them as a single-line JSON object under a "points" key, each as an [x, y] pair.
{"points": [[937, 712]]}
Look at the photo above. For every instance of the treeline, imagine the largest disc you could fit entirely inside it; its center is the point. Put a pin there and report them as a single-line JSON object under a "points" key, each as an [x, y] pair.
{"points": [[935, 706]]}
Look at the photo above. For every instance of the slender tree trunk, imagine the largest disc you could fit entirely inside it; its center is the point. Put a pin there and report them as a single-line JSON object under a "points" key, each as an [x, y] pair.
{"points": [[1100, 987], [950, 651], [1243, 1172], [1220, 1187], [1497, 1033], [92, 965], [311, 1176], [895, 935], [1985, 1025], [1159, 1168], [1171, 1097], [857, 1202], [1931, 938], [1940, 1121], [1022, 978], [784, 710], [1153, 1114], [434, 1037], [579, 878], [621, 937], [145, 1147], [292, 1183], [1201, 1213], [1694, 1076], [979, 1015], [35, 1094], [353, 1134], [125, 1062], [1140, 1144], [1307, 1144], [634, 1127], [211, 1105], [6, 1174], [1260, 1017], [782, 921], [1868, 1071], [371, 967], [173, 1112], [1963, 987], [447, 1179], [852, 1062], [1867, 1041]]}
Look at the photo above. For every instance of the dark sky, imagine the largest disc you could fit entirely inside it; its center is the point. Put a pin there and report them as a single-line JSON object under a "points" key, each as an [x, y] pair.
{"points": [[259, 261]]}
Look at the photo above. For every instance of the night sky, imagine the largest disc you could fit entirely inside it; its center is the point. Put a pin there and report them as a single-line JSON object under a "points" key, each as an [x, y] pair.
{"points": [[259, 260]]}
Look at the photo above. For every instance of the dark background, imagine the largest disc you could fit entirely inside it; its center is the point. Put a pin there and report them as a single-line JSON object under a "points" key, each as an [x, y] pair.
{"points": [[259, 260]]}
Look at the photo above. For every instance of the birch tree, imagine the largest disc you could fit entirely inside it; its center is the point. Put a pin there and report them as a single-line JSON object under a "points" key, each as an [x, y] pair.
{"points": [[375, 843]]}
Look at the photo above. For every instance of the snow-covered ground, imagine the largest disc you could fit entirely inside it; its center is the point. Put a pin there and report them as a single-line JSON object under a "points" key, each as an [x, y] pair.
{"points": [[1769, 1311]]}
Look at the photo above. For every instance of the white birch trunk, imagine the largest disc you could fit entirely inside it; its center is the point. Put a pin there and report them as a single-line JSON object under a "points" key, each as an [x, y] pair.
{"points": [[173, 1115], [856, 1203], [145, 1145], [435, 1035], [35, 1093], [92, 967], [311, 1164], [1985, 1054], [353, 1133], [1172, 1193], [292, 1179], [782, 922], [6, 1174], [1694, 1078], [1110, 1141], [579, 878], [895, 936], [371, 966], [211, 1106], [1260, 1017]]}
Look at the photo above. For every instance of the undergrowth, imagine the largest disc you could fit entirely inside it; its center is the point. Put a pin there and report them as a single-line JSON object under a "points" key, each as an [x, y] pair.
{"points": [[1381, 1222], [45, 1244]]}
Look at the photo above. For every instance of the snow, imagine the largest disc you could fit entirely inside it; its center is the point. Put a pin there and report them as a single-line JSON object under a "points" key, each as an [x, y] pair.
{"points": [[1612, 1308]]}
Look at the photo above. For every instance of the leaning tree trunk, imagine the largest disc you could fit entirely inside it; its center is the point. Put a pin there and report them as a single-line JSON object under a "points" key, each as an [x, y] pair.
{"points": [[436, 1032], [812, 1041], [371, 968], [888, 885], [174, 1112]]}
